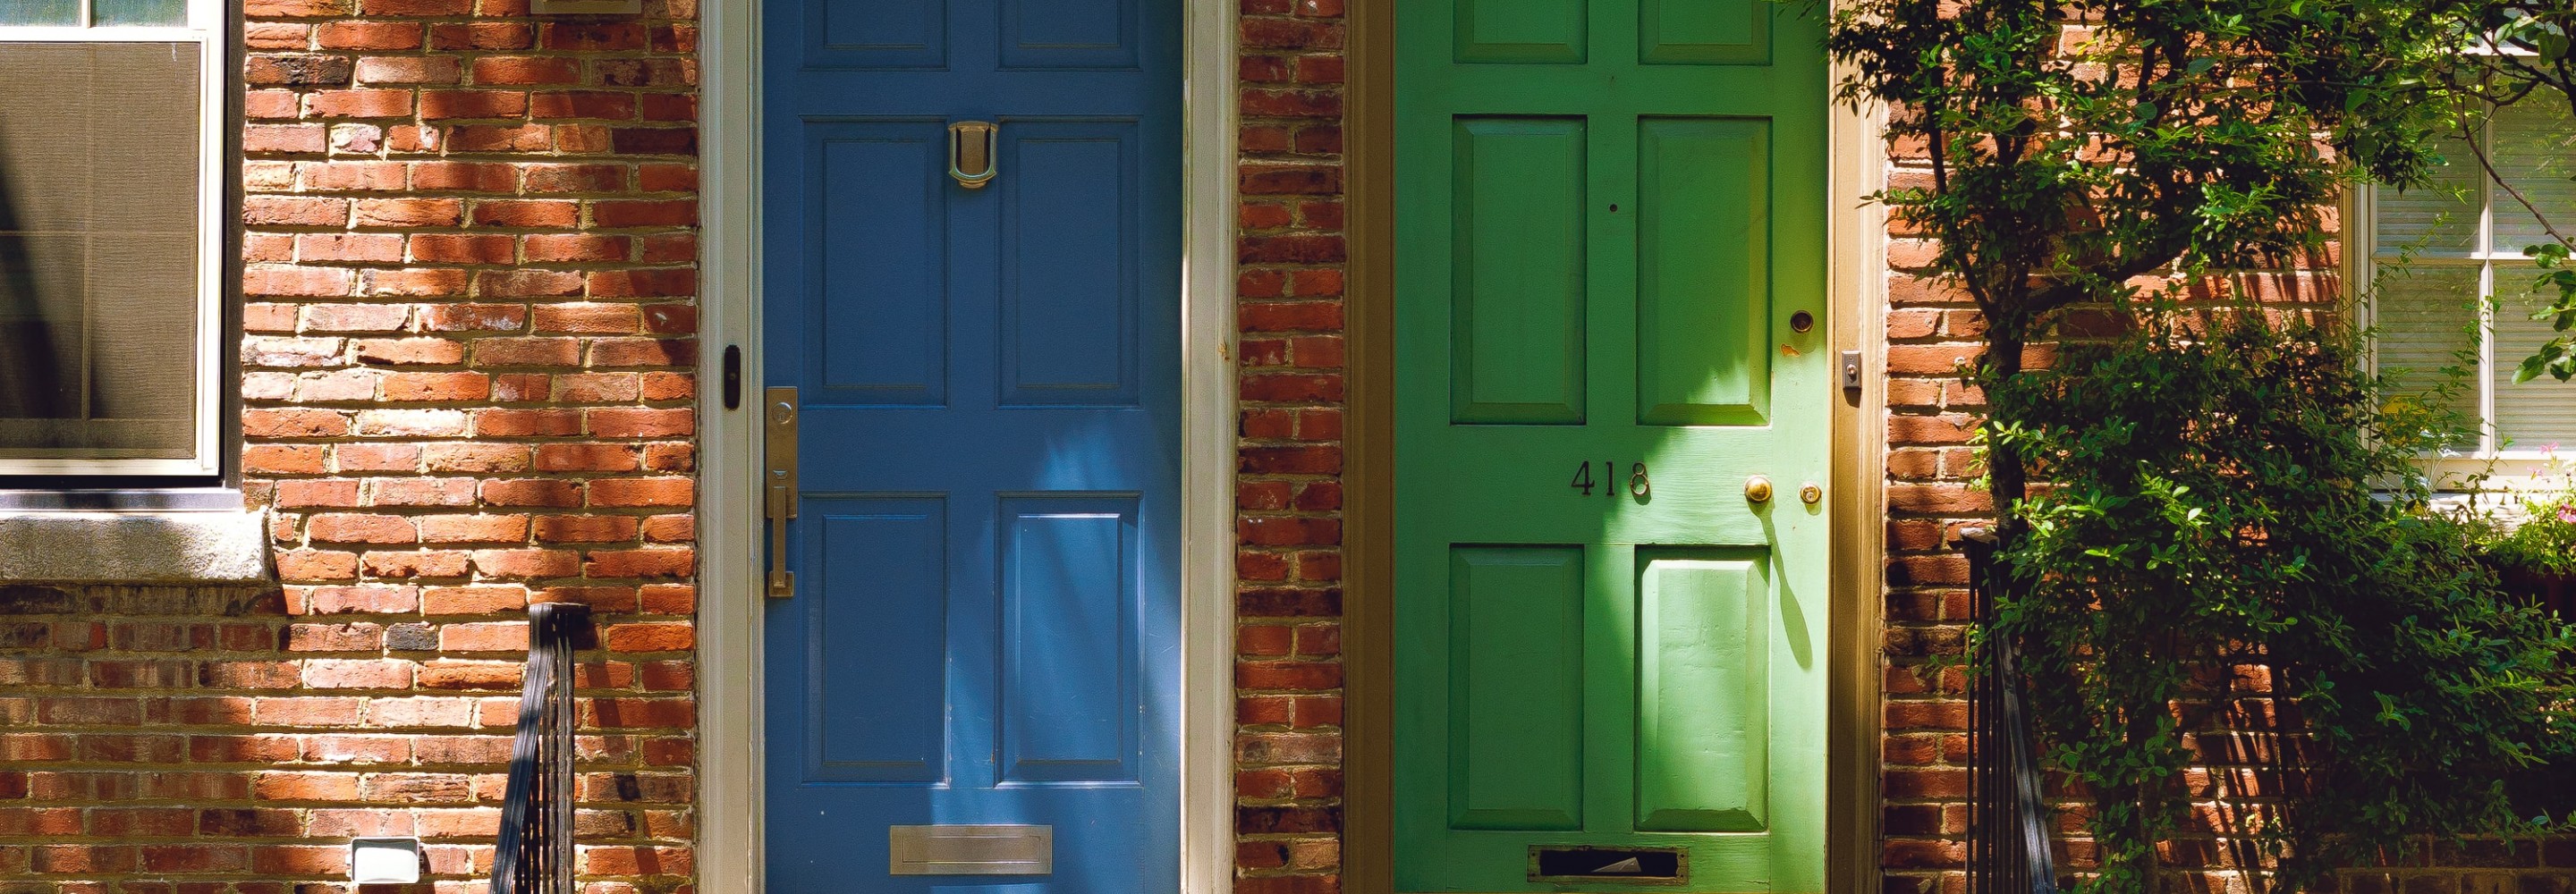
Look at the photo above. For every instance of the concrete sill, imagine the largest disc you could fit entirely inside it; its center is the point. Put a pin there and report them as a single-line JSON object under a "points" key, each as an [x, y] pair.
{"points": [[134, 547]]}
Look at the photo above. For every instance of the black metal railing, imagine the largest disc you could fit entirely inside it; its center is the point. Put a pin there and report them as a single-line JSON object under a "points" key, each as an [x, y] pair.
{"points": [[2008, 815], [536, 849]]}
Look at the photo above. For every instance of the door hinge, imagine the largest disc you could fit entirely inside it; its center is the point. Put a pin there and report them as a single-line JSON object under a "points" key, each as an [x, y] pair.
{"points": [[778, 483]]}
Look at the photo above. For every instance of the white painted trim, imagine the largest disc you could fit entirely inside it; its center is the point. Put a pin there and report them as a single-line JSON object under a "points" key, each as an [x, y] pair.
{"points": [[214, 181], [1857, 275], [730, 840], [1207, 446]]}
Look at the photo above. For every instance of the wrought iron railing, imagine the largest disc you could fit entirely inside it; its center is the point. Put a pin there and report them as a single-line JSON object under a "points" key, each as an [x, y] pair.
{"points": [[536, 848], [2008, 815]]}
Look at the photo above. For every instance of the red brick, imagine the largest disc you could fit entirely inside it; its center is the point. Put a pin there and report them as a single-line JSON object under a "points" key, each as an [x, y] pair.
{"points": [[450, 104], [520, 70], [360, 103], [626, 492]]}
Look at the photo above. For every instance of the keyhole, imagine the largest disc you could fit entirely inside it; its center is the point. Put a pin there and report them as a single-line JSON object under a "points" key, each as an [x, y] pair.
{"points": [[1614, 209], [1802, 321]]}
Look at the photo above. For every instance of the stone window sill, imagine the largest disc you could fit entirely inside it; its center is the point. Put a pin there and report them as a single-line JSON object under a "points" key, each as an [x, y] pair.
{"points": [[134, 547]]}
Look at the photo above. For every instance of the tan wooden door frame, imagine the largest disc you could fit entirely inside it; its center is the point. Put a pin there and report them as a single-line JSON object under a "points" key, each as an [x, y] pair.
{"points": [[1857, 322]]}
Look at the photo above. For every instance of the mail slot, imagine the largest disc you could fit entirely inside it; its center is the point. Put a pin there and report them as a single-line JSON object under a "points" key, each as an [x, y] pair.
{"points": [[1635, 865], [971, 850]]}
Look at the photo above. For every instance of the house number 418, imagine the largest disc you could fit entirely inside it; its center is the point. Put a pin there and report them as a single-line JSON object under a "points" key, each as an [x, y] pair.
{"points": [[1638, 486]]}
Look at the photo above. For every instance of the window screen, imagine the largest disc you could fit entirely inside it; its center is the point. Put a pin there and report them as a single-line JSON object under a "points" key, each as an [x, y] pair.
{"points": [[107, 277]]}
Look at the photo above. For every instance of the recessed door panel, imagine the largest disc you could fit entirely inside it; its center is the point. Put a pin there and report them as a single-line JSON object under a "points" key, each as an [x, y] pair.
{"points": [[1516, 687], [1703, 265], [1069, 664], [1518, 277], [1703, 691]]}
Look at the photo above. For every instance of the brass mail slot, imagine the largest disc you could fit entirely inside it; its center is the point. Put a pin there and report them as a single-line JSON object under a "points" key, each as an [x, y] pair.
{"points": [[970, 850], [1632, 865]]}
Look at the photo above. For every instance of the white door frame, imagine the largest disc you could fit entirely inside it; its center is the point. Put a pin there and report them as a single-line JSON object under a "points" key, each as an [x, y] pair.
{"points": [[730, 801]]}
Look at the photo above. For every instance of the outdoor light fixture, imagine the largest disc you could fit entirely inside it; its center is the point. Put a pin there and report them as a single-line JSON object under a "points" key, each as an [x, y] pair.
{"points": [[384, 861]]}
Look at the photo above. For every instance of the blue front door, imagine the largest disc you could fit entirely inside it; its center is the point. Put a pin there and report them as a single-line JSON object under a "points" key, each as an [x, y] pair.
{"points": [[984, 629]]}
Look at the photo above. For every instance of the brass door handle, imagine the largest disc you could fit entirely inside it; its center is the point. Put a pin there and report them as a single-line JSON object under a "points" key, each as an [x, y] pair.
{"points": [[970, 152], [782, 506], [779, 473]]}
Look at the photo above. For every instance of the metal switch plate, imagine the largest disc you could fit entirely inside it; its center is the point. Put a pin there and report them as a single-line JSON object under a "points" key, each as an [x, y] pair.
{"points": [[970, 850]]}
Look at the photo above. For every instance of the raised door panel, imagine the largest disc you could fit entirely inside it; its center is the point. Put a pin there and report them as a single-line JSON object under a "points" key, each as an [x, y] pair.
{"points": [[1703, 691], [1069, 33], [1517, 272], [1703, 271], [1522, 31], [1069, 699], [1704, 32], [876, 34], [1070, 285], [1516, 687], [877, 655], [877, 253]]}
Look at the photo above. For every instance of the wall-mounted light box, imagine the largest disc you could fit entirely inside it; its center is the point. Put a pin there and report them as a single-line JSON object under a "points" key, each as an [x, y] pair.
{"points": [[384, 861]]}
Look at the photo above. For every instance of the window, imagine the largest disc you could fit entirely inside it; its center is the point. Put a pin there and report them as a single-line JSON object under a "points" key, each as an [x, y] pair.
{"points": [[111, 203], [2451, 275]]}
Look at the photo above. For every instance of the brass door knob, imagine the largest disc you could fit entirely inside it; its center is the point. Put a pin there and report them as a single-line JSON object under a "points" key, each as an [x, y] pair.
{"points": [[1757, 489]]}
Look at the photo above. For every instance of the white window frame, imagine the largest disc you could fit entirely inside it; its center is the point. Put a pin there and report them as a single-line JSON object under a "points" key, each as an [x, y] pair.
{"points": [[2361, 272], [205, 28]]}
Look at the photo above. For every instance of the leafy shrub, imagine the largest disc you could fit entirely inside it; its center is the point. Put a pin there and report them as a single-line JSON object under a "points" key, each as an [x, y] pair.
{"points": [[2541, 543], [2217, 501]]}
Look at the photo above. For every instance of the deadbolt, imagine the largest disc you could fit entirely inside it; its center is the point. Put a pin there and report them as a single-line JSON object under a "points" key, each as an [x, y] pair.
{"points": [[1802, 321], [1810, 493], [1757, 489]]}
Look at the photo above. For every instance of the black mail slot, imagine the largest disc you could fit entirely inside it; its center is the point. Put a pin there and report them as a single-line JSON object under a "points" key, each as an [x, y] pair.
{"points": [[1641, 865]]}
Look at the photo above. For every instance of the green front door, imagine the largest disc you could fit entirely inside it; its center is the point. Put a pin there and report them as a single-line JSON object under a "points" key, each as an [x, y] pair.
{"points": [[1610, 302]]}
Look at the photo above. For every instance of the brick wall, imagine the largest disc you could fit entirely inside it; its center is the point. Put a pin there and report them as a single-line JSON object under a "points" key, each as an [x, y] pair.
{"points": [[167, 739], [1932, 330], [1289, 492], [469, 296], [467, 384]]}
